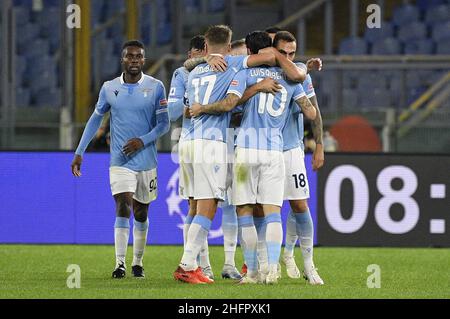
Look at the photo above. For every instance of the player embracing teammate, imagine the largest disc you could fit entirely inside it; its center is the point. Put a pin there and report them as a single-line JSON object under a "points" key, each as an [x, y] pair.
{"points": [[259, 168]]}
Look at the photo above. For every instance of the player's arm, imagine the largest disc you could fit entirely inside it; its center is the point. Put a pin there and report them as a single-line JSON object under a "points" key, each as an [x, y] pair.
{"points": [[162, 125], [176, 97], [317, 129], [223, 106], [307, 108], [292, 71], [91, 128], [216, 61], [268, 85]]}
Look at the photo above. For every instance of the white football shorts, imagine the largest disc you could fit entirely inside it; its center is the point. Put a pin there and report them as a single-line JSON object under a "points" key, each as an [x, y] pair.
{"points": [[186, 159], [258, 177], [296, 185], [210, 169], [144, 185]]}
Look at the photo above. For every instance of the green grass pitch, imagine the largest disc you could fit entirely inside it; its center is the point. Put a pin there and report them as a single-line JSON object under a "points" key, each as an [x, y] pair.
{"points": [[28, 271]]}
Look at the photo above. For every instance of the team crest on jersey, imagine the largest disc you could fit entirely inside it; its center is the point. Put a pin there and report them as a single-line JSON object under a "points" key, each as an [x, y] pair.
{"points": [[146, 92]]}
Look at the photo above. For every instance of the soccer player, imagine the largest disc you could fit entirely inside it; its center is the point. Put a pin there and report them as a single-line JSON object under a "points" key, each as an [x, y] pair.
{"points": [[296, 189], [138, 107], [259, 168], [238, 47], [207, 139], [178, 101]]}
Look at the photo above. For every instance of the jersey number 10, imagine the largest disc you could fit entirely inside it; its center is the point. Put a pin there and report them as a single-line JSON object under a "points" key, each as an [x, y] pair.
{"points": [[266, 102]]}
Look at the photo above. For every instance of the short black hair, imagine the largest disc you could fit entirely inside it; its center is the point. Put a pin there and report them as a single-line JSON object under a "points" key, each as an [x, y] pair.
{"points": [[219, 35], [197, 42], [237, 43], [283, 36], [133, 43], [273, 30], [257, 40]]}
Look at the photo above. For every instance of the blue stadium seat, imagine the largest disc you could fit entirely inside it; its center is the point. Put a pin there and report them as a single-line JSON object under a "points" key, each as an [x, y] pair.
{"points": [[38, 64], [370, 79], [36, 47], [117, 30], [20, 64], [21, 15], [375, 34], [23, 97], [426, 4], [216, 5], [412, 31], [49, 21], [23, 3], [437, 14], [350, 79], [25, 34], [376, 98], [405, 14], [443, 47], [414, 94], [353, 46], [388, 46], [48, 97], [45, 80], [413, 79], [441, 32], [52, 3], [110, 66], [423, 46], [112, 7], [164, 33], [349, 99], [191, 5], [97, 12]]}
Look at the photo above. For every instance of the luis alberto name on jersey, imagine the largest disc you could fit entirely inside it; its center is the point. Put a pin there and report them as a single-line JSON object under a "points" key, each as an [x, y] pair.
{"points": [[265, 114]]}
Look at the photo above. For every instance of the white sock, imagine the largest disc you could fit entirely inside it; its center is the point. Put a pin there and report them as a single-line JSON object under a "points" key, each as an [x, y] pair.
{"points": [[187, 224], [121, 236], [198, 233], [204, 255], [274, 238], [305, 231], [250, 241], [230, 233], [291, 235], [140, 231]]}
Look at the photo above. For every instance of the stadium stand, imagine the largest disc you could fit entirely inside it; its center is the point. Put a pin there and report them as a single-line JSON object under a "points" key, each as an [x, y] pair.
{"points": [[417, 29]]}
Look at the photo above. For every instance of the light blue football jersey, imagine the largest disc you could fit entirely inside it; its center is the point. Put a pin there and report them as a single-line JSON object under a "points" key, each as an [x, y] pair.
{"points": [[265, 114], [206, 86], [178, 97], [137, 111], [293, 132]]}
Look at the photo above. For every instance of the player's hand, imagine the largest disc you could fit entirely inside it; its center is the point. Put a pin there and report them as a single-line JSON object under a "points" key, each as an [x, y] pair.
{"points": [[195, 110], [217, 62], [76, 165], [269, 85], [314, 64], [132, 146], [318, 157]]}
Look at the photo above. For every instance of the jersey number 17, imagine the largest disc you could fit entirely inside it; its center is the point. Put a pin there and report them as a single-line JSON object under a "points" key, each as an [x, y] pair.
{"points": [[210, 80]]}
